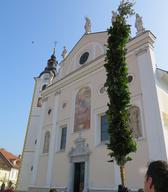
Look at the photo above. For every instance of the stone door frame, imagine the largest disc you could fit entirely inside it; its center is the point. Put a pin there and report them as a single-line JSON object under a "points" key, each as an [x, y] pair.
{"points": [[79, 154]]}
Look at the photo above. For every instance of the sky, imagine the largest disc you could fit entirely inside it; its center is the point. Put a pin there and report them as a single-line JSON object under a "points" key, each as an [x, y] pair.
{"points": [[28, 30]]}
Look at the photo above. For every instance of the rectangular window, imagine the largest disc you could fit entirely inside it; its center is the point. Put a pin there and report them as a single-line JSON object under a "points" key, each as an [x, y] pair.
{"points": [[104, 128], [63, 138]]}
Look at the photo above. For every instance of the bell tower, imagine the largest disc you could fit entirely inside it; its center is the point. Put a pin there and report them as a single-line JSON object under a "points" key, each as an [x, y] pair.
{"points": [[29, 149]]}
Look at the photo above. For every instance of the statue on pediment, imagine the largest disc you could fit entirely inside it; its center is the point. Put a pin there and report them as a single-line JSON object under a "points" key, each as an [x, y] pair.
{"points": [[114, 17], [87, 25], [139, 24], [64, 53]]}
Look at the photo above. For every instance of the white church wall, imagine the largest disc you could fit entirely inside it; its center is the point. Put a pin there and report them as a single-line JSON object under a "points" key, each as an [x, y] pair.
{"points": [[141, 157], [26, 172], [37, 89], [32, 133], [39, 145], [135, 169], [42, 170], [163, 98], [27, 163], [47, 121], [103, 177], [65, 104], [60, 169], [150, 103], [134, 85]]}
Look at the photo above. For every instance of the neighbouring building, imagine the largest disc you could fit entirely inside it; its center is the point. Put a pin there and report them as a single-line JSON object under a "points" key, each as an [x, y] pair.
{"points": [[9, 168], [67, 129]]}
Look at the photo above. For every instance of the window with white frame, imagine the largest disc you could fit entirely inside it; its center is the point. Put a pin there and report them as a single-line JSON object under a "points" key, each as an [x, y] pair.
{"points": [[63, 138], [104, 135], [46, 142]]}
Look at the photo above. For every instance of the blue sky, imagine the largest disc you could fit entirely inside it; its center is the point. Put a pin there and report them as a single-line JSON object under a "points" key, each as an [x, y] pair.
{"points": [[44, 22]]}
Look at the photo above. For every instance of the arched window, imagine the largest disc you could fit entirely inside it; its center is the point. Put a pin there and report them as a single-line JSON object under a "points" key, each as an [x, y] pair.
{"points": [[46, 142], [44, 86], [82, 109], [39, 102], [135, 121]]}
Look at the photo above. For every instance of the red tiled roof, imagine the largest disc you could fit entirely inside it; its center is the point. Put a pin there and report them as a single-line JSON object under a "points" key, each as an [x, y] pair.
{"points": [[13, 160]]}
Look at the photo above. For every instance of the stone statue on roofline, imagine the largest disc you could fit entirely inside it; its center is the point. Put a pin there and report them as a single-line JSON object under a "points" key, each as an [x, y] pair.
{"points": [[139, 24], [87, 25], [114, 17], [64, 53]]}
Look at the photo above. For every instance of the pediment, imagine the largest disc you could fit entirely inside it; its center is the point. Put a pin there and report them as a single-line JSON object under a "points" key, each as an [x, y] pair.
{"points": [[86, 50]]}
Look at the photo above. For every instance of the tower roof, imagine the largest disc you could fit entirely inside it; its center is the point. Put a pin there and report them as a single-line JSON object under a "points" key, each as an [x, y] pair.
{"points": [[51, 65]]}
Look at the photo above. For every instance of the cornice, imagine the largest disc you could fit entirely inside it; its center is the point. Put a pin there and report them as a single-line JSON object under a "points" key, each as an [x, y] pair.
{"points": [[141, 43]]}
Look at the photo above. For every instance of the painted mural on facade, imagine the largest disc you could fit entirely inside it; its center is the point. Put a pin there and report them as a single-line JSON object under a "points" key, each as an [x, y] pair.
{"points": [[82, 109], [135, 121]]}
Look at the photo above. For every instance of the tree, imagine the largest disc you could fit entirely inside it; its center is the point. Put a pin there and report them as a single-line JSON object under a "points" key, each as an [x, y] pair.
{"points": [[121, 142]]}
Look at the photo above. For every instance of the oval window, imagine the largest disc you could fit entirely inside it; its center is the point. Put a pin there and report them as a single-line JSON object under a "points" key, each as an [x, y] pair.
{"points": [[84, 58]]}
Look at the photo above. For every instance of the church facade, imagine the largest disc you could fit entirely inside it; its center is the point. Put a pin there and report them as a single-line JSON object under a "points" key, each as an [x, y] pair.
{"points": [[65, 144]]}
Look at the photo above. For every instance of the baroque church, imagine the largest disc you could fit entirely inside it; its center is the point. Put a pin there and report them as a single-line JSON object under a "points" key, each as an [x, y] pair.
{"points": [[65, 143]]}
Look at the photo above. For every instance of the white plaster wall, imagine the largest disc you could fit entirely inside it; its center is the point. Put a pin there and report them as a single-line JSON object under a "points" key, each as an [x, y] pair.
{"points": [[25, 172], [37, 89], [32, 132], [163, 102], [42, 170], [65, 97], [101, 173], [47, 121], [134, 86], [163, 98], [60, 170], [136, 169], [151, 107]]}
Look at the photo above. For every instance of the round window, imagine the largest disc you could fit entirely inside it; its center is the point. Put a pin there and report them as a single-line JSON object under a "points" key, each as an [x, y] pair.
{"points": [[84, 58], [130, 78]]}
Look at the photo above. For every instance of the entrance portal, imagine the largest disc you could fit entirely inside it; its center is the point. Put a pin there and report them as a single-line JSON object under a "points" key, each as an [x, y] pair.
{"points": [[79, 166], [79, 172]]}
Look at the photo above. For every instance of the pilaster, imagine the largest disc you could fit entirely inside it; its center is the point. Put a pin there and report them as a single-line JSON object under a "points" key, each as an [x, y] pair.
{"points": [[38, 147], [153, 126], [52, 143]]}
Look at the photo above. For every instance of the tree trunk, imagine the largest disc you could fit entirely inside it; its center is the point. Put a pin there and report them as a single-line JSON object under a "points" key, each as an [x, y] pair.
{"points": [[122, 174]]}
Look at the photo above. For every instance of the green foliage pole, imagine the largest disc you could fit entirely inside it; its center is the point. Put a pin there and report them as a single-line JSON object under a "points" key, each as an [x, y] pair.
{"points": [[121, 142]]}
